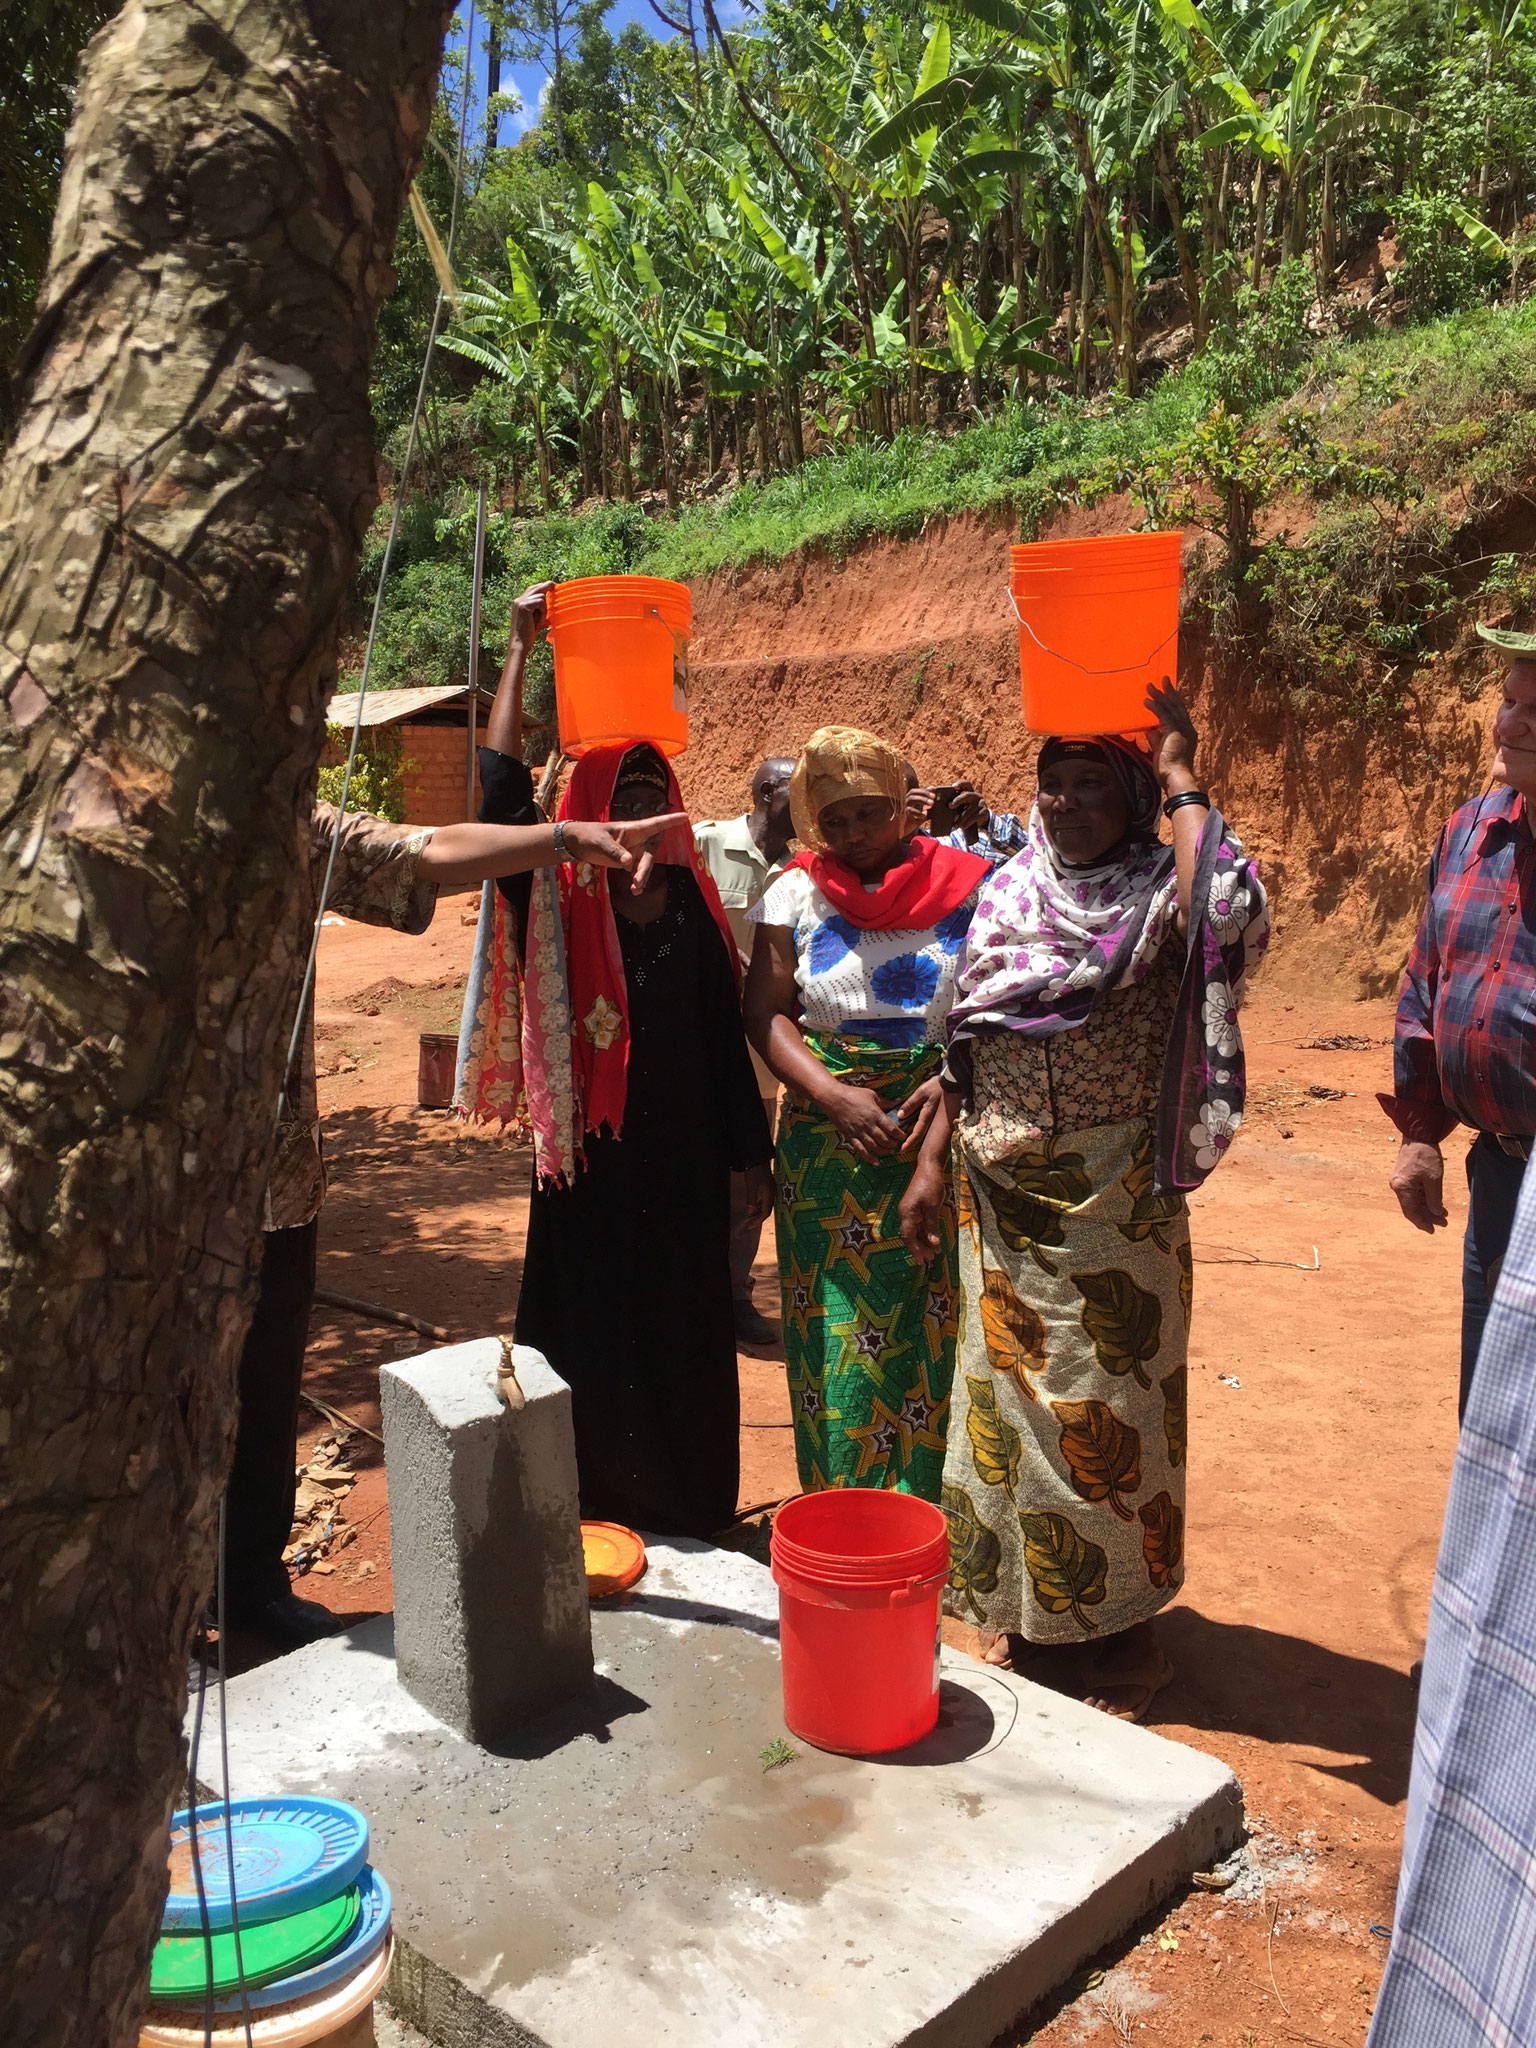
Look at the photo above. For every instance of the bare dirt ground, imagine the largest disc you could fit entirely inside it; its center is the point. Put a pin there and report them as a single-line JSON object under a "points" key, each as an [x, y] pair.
{"points": [[1323, 1425]]}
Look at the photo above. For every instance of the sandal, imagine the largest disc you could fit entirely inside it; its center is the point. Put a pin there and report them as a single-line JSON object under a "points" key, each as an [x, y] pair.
{"points": [[1128, 1697]]}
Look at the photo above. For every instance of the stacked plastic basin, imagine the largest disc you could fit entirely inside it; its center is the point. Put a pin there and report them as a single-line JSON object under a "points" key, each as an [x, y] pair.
{"points": [[312, 1945]]}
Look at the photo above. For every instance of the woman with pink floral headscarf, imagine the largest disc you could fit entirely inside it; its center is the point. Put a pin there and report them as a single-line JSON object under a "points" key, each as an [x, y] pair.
{"points": [[1094, 1075]]}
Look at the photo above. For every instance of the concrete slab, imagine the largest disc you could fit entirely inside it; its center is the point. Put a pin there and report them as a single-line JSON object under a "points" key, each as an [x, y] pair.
{"points": [[626, 1872]]}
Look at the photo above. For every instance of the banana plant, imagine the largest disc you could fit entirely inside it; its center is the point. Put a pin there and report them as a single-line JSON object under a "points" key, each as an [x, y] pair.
{"points": [[1317, 108], [508, 332], [980, 346]]}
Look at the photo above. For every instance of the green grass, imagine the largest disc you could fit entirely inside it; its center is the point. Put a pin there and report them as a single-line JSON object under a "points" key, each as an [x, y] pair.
{"points": [[1447, 401]]}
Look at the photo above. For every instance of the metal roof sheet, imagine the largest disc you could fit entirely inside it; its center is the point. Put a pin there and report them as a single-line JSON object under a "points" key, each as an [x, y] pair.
{"points": [[388, 707]]}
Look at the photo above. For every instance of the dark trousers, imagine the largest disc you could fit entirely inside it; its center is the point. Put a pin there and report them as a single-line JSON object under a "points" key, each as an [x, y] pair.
{"points": [[745, 1233], [1493, 1184], [258, 1514]]}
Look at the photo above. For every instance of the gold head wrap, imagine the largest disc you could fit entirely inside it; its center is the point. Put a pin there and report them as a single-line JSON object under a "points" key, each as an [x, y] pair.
{"points": [[841, 761]]}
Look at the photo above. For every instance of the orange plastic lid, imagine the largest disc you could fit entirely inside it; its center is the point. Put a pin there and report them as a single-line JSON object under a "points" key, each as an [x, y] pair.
{"points": [[614, 1557]]}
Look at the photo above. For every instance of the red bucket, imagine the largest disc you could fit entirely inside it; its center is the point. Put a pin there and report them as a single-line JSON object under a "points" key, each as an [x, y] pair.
{"points": [[859, 1575]]}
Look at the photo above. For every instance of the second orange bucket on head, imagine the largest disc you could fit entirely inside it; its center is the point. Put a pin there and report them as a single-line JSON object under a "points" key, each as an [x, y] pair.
{"points": [[621, 661], [1098, 623]]}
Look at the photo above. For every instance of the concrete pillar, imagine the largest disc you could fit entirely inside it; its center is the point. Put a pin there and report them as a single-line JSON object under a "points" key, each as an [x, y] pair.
{"points": [[492, 1624]]}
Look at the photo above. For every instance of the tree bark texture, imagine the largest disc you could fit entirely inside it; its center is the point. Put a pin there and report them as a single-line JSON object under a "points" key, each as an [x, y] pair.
{"points": [[180, 516]]}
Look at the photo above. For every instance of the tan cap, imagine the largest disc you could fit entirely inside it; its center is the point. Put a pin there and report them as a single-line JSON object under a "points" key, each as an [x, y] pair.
{"points": [[1512, 643]]}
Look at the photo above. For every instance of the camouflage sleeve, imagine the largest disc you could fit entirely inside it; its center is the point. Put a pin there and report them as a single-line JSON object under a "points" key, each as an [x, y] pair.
{"points": [[378, 877]]}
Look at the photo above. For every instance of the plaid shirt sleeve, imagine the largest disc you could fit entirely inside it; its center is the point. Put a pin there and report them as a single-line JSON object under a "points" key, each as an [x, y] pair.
{"points": [[1417, 1105], [1004, 836], [1466, 1021]]}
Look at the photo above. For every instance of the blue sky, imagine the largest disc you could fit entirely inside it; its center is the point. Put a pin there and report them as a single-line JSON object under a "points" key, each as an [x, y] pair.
{"points": [[529, 79]]}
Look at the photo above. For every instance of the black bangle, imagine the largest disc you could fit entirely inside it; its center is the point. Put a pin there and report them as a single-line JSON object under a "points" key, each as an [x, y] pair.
{"points": [[1186, 796]]}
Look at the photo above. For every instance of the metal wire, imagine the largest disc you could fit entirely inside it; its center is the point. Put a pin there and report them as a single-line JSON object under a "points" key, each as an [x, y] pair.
{"points": [[1120, 670], [229, 1825], [192, 1833], [307, 988]]}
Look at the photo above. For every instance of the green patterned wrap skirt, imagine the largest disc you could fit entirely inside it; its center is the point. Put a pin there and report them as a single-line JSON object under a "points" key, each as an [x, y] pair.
{"points": [[1064, 1483], [869, 1336]]}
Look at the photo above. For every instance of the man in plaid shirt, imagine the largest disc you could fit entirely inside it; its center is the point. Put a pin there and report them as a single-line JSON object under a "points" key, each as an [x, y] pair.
{"points": [[1465, 1049]]}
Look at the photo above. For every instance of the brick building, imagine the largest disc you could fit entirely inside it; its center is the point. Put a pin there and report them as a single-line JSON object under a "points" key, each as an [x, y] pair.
{"points": [[432, 724]]}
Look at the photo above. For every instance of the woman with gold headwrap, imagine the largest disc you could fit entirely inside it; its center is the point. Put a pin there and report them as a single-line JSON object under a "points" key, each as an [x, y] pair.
{"points": [[850, 984]]}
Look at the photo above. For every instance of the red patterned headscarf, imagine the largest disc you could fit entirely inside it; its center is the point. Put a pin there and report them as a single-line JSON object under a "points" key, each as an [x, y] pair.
{"points": [[599, 1002]]}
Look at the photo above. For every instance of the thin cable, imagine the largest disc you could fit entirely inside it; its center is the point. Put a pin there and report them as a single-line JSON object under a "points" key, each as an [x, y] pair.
{"points": [[197, 1859], [229, 1825], [307, 987]]}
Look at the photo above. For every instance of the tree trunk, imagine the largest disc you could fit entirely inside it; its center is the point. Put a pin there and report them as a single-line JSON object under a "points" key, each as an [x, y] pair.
{"points": [[584, 433], [1260, 221], [914, 327], [1216, 203], [1084, 300], [1127, 301], [1094, 210], [1189, 276], [1485, 164], [557, 81], [621, 433], [861, 287], [764, 435], [668, 454], [1300, 207], [1327, 238], [180, 517], [794, 434], [546, 490]]}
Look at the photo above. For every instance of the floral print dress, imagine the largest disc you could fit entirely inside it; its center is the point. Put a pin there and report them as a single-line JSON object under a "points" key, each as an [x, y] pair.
{"points": [[1064, 1480], [1064, 1472]]}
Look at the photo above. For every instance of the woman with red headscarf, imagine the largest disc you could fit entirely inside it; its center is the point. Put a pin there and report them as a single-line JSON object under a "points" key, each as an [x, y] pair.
{"points": [[620, 1045], [850, 985]]}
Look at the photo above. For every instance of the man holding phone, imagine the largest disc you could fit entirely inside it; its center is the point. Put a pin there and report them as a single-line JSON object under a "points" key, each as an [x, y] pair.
{"points": [[957, 814]]}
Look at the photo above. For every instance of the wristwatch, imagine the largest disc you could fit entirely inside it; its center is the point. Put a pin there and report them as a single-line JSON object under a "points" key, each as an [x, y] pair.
{"points": [[560, 845]]}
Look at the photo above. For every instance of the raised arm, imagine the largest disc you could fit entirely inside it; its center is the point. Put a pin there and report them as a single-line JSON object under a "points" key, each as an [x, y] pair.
{"points": [[504, 728], [1173, 759]]}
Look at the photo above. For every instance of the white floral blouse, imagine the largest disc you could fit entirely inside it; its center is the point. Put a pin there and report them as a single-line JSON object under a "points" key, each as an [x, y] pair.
{"points": [[892, 988]]}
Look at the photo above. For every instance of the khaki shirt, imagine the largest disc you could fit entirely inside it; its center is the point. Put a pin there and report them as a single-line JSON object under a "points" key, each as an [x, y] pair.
{"points": [[377, 881], [741, 873]]}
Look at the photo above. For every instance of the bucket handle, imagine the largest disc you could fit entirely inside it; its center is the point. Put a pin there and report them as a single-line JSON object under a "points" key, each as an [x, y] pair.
{"points": [[1118, 670], [900, 1595]]}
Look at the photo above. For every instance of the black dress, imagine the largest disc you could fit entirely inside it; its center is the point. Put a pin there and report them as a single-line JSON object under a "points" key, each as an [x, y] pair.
{"points": [[626, 1277]]}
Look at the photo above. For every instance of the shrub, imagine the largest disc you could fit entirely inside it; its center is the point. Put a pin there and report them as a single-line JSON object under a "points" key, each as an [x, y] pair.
{"points": [[378, 773]]}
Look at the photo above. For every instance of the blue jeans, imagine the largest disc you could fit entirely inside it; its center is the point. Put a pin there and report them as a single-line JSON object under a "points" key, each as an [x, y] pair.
{"points": [[1493, 1184]]}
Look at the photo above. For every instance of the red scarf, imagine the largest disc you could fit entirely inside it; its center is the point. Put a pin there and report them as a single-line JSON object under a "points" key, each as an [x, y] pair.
{"points": [[594, 964], [927, 884]]}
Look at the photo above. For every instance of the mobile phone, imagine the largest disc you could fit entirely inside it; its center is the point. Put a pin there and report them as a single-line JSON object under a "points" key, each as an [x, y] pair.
{"points": [[941, 818]]}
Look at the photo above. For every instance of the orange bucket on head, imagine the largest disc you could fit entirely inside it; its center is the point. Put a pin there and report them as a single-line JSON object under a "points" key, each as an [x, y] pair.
{"points": [[1098, 624], [859, 1573], [621, 661]]}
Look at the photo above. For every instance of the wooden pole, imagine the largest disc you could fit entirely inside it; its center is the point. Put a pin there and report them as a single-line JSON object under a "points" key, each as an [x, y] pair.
{"points": [[470, 724]]}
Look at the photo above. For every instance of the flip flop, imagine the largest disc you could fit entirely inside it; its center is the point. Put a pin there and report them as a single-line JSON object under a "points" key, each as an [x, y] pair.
{"points": [[1144, 1690]]}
